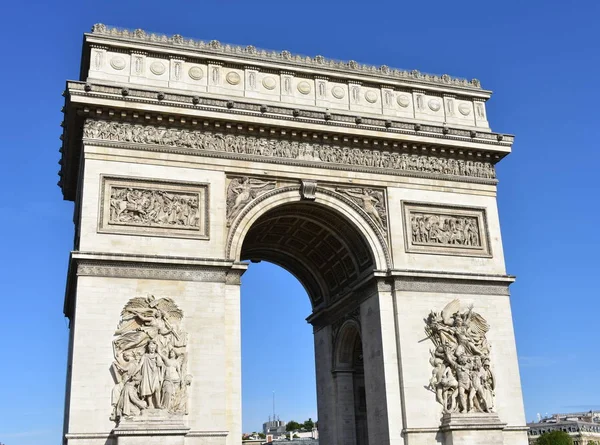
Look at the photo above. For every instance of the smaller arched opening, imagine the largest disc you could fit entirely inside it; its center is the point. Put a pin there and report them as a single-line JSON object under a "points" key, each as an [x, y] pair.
{"points": [[349, 377]]}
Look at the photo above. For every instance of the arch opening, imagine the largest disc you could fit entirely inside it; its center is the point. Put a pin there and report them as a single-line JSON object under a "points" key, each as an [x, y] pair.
{"points": [[323, 249], [348, 367], [277, 348]]}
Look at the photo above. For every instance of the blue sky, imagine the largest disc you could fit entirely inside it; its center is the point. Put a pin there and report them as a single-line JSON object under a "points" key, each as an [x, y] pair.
{"points": [[539, 57]]}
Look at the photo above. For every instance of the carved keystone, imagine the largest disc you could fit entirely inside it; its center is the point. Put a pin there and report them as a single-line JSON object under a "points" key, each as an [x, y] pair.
{"points": [[308, 190]]}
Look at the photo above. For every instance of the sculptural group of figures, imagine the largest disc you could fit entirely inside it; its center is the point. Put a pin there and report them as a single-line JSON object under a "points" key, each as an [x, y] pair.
{"points": [[283, 148], [441, 229], [371, 201], [150, 359], [243, 190], [462, 378], [153, 207]]}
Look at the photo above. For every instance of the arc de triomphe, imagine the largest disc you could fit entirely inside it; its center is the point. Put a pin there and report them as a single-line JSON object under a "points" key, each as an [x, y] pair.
{"points": [[375, 187]]}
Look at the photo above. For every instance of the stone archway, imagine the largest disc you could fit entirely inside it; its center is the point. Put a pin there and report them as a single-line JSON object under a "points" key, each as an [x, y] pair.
{"points": [[327, 243], [375, 187]]}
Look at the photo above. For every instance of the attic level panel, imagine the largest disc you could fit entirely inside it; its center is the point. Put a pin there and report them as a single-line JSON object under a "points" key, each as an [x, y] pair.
{"points": [[145, 60]]}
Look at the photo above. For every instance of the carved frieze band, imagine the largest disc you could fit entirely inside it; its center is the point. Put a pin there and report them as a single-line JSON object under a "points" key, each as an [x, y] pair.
{"points": [[278, 149], [446, 230], [150, 271], [433, 285], [150, 207]]}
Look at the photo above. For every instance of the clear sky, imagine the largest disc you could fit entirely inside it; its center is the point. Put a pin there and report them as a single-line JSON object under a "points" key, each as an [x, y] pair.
{"points": [[541, 58]]}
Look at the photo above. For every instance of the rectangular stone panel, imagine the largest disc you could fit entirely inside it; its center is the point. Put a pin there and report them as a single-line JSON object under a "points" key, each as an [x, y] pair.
{"points": [[446, 230], [153, 207]]}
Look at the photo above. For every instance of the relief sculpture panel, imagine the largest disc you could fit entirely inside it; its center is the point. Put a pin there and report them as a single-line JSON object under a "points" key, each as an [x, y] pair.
{"points": [[150, 367], [241, 191], [462, 379], [372, 202], [172, 209], [446, 230]]}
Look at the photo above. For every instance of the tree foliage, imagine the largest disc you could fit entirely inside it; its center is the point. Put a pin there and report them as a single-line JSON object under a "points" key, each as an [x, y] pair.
{"points": [[292, 425], [554, 438], [309, 424]]}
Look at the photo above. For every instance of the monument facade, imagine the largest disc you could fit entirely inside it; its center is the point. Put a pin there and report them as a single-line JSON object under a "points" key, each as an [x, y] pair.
{"points": [[375, 187]]}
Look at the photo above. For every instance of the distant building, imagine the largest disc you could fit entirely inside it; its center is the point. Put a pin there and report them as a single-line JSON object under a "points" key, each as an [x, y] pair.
{"points": [[274, 427], [584, 428], [305, 435]]}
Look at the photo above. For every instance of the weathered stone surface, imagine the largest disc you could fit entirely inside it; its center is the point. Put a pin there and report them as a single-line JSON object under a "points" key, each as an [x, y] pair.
{"points": [[375, 187]]}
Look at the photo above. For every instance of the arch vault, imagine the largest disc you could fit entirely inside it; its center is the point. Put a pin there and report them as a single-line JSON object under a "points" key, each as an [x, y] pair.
{"points": [[375, 187]]}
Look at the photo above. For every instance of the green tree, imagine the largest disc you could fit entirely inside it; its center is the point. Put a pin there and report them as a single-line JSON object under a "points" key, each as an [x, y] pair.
{"points": [[262, 435], [292, 425], [554, 438], [592, 442], [309, 424]]}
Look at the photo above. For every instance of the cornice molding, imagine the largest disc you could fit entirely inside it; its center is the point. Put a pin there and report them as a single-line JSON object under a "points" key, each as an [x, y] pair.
{"points": [[252, 53], [155, 267], [281, 112]]}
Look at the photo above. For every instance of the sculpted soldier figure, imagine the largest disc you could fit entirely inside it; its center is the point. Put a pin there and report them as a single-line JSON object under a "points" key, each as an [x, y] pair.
{"points": [[463, 375], [124, 398], [477, 395]]}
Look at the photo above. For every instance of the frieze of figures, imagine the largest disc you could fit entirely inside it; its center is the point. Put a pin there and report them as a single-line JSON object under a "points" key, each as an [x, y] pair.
{"points": [[462, 379], [284, 149], [150, 367], [160, 208], [437, 229]]}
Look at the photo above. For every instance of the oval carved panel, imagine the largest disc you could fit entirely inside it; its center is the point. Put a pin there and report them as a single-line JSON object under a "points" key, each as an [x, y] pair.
{"points": [[434, 104], [403, 100], [304, 87], [464, 109], [117, 63], [371, 96], [233, 78], [157, 68], [338, 92], [196, 73], [269, 83]]}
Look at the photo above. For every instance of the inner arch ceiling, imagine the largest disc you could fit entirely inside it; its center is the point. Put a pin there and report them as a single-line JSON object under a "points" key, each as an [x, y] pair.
{"points": [[325, 251]]}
